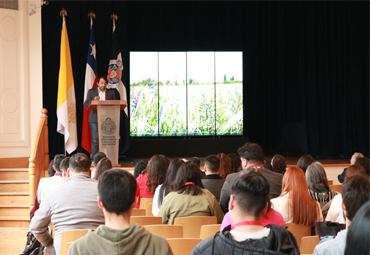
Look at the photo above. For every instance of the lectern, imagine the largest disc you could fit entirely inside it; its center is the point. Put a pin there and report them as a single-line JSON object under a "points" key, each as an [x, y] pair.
{"points": [[108, 125]]}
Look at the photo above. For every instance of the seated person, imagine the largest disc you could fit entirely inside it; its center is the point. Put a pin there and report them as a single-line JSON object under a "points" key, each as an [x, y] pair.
{"points": [[358, 235], [353, 159], [213, 181], [335, 212], [271, 216], [295, 203], [355, 193], [98, 156], [64, 167], [188, 198], [140, 166], [71, 205], [196, 161], [248, 201], [116, 198]]}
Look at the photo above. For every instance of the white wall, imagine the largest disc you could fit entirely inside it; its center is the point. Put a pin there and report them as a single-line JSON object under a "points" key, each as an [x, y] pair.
{"points": [[20, 78]]}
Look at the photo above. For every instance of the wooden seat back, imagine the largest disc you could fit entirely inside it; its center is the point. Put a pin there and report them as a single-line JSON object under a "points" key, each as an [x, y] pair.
{"points": [[145, 220], [70, 236], [209, 230], [192, 224], [308, 244], [138, 212], [183, 246], [149, 209], [299, 231], [167, 231], [144, 203], [336, 187]]}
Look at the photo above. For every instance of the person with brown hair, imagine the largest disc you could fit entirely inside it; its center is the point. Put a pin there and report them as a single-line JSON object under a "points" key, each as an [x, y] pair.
{"points": [[236, 163], [278, 164], [318, 186], [188, 197], [295, 203], [304, 161], [103, 165], [148, 180], [225, 165], [335, 212]]}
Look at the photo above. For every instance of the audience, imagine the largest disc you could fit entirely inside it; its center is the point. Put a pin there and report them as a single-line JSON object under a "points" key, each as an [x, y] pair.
{"points": [[236, 163], [71, 205], [64, 167], [252, 157], [365, 163], [249, 200], [148, 180], [47, 183], [318, 186], [225, 165], [355, 193], [267, 165], [278, 164], [140, 167], [98, 156], [196, 161], [270, 217], [295, 203], [352, 161], [103, 165], [188, 198], [213, 181], [163, 189], [335, 212], [358, 235], [304, 161], [116, 198]]}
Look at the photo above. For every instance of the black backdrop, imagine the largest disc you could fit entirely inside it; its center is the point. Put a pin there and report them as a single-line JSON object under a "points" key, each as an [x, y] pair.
{"points": [[306, 64]]}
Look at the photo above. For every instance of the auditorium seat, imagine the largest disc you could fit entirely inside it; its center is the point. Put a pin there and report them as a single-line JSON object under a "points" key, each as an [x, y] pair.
{"points": [[167, 231], [209, 230], [145, 220], [192, 224], [144, 203], [308, 244], [299, 231], [69, 236], [138, 212], [183, 246], [336, 187]]}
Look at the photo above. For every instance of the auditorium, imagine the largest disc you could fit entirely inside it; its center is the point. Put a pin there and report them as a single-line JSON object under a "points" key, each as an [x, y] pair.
{"points": [[208, 89]]}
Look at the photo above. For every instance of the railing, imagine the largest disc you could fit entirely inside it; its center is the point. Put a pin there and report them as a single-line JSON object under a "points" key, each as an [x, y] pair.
{"points": [[39, 159]]}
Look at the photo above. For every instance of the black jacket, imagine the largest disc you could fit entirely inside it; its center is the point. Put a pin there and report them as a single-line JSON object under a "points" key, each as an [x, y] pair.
{"points": [[280, 241]]}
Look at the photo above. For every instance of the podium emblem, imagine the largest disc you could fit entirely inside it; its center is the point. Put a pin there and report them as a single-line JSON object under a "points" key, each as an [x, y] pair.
{"points": [[108, 127]]}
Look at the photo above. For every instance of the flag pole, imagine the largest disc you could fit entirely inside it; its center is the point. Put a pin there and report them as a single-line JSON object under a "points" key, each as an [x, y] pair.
{"points": [[114, 17], [92, 16]]}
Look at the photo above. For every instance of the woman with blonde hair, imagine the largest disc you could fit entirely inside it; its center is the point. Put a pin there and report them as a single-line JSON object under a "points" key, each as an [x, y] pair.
{"points": [[295, 203]]}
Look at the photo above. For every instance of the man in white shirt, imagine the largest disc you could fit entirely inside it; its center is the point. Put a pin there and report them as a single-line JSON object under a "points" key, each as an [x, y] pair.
{"points": [[99, 93]]}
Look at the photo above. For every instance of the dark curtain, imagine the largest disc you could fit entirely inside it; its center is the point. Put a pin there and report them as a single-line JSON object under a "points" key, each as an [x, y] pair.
{"points": [[306, 64]]}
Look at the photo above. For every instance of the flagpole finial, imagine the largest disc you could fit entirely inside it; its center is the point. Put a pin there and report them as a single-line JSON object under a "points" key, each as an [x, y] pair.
{"points": [[114, 16], [63, 12], [91, 15]]}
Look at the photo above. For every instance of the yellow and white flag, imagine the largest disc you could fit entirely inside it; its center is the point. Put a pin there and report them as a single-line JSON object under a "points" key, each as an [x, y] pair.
{"points": [[66, 104]]}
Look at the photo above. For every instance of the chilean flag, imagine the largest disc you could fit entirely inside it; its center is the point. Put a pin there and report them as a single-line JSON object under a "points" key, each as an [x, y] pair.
{"points": [[91, 79]]}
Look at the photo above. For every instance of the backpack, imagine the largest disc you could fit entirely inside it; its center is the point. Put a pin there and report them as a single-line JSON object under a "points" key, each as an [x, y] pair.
{"points": [[33, 246]]}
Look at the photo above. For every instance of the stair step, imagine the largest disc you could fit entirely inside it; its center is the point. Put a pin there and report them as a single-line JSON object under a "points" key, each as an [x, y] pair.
{"points": [[14, 210], [14, 198], [14, 222], [14, 186], [14, 174], [13, 240]]}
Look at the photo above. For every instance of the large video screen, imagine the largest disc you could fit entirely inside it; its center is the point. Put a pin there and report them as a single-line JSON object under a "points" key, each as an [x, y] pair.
{"points": [[186, 93]]}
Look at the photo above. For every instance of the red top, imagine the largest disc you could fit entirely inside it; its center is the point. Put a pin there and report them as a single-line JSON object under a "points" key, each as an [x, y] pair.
{"points": [[141, 188]]}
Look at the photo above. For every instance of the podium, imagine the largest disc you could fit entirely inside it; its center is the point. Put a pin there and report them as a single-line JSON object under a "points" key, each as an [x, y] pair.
{"points": [[108, 112]]}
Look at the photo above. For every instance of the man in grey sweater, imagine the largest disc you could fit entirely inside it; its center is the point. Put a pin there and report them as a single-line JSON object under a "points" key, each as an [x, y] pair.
{"points": [[72, 205]]}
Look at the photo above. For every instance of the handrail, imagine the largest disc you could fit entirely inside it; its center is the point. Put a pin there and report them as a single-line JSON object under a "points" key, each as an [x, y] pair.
{"points": [[39, 159]]}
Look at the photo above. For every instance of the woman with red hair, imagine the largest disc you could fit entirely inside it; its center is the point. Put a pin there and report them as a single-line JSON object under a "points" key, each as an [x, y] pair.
{"points": [[225, 165], [295, 203]]}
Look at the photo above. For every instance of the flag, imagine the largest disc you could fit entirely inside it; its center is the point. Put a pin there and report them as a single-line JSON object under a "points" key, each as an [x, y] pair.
{"points": [[66, 103], [91, 78], [115, 82]]}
